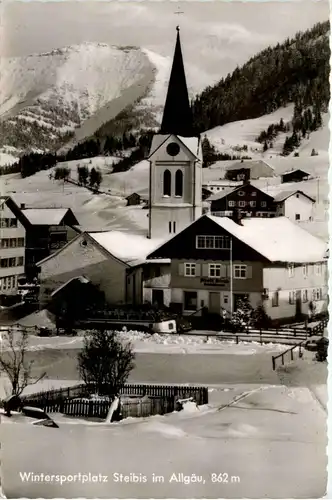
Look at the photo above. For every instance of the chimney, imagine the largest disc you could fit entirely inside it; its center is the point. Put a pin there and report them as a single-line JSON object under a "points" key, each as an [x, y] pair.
{"points": [[22, 206]]}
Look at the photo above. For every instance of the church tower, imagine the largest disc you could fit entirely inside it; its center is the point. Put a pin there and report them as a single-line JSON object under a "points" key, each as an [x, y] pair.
{"points": [[175, 182]]}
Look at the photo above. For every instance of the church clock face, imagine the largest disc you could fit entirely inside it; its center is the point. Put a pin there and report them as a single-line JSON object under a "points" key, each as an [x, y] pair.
{"points": [[173, 149]]}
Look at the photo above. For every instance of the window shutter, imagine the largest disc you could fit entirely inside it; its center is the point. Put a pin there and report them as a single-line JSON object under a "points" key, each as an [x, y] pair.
{"points": [[249, 271], [181, 269], [198, 269], [223, 271], [205, 270], [227, 271]]}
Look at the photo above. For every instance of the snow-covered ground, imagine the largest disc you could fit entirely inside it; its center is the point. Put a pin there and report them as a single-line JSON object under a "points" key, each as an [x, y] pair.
{"points": [[260, 441]]}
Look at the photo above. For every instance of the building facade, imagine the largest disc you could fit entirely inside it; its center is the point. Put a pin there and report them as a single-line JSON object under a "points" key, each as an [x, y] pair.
{"points": [[295, 205], [295, 175], [175, 184], [82, 256], [215, 262], [47, 230], [12, 249], [251, 201]]}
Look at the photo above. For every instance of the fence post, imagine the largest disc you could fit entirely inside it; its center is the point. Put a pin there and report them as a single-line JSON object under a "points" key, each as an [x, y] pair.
{"points": [[292, 356], [273, 363], [282, 359]]}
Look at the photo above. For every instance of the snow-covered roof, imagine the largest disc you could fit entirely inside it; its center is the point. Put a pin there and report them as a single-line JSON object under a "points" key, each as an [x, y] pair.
{"points": [[191, 143], [45, 216], [248, 164], [221, 194], [277, 239], [132, 249], [81, 279], [284, 195], [286, 172]]}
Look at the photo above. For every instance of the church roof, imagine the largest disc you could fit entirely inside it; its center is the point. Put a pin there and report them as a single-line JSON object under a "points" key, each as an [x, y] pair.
{"points": [[177, 117]]}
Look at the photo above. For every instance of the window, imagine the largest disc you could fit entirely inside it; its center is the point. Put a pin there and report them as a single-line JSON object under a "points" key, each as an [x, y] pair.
{"points": [[190, 269], [174, 227], [178, 183], [317, 294], [214, 270], [225, 299], [12, 222], [263, 203], [20, 261], [213, 242], [240, 271], [4, 262], [304, 295], [241, 193], [231, 203], [252, 203], [297, 217], [318, 269], [190, 301], [167, 183], [242, 203], [4, 243], [275, 299], [297, 196], [170, 227], [290, 270], [254, 193], [292, 297], [305, 270], [13, 242]]}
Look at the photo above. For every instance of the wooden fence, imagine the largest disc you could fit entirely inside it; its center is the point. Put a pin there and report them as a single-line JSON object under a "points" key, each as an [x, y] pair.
{"points": [[99, 408], [73, 401], [288, 353], [316, 330]]}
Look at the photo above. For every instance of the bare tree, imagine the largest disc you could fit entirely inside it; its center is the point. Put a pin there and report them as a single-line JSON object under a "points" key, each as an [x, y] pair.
{"points": [[105, 361], [14, 363]]}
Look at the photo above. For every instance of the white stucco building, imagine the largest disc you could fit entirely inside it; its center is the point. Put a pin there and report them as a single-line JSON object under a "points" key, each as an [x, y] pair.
{"points": [[12, 249], [295, 205]]}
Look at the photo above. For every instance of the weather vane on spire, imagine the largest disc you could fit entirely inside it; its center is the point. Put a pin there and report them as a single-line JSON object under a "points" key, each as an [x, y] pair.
{"points": [[178, 12]]}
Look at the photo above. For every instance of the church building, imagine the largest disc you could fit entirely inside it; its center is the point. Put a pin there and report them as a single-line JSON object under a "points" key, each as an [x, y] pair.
{"points": [[175, 177]]}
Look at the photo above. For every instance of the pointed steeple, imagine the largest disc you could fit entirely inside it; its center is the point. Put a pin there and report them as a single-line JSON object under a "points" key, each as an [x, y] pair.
{"points": [[177, 117]]}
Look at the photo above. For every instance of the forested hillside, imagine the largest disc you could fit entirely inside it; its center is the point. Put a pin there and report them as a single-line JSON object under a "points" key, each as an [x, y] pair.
{"points": [[295, 71]]}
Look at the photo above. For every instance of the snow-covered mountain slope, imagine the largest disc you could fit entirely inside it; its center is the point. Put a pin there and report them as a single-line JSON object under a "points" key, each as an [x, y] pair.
{"points": [[239, 137], [45, 98]]}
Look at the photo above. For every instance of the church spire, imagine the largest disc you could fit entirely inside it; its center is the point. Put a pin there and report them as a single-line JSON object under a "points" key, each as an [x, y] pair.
{"points": [[177, 117]]}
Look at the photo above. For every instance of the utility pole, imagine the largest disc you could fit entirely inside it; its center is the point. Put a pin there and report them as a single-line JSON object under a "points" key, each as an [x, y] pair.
{"points": [[318, 190], [231, 274]]}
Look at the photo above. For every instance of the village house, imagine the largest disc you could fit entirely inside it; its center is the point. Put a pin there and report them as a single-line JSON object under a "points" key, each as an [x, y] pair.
{"points": [[245, 170], [133, 199], [113, 261], [47, 230], [295, 175], [12, 250], [216, 261], [251, 201], [296, 205]]}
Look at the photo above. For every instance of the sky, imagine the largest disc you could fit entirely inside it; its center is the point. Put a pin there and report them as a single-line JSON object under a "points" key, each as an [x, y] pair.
{"points": [[216, 35]]}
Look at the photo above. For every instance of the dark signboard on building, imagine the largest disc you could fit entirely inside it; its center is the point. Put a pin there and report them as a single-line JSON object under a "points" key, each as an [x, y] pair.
{"points": [[215, 281]]}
